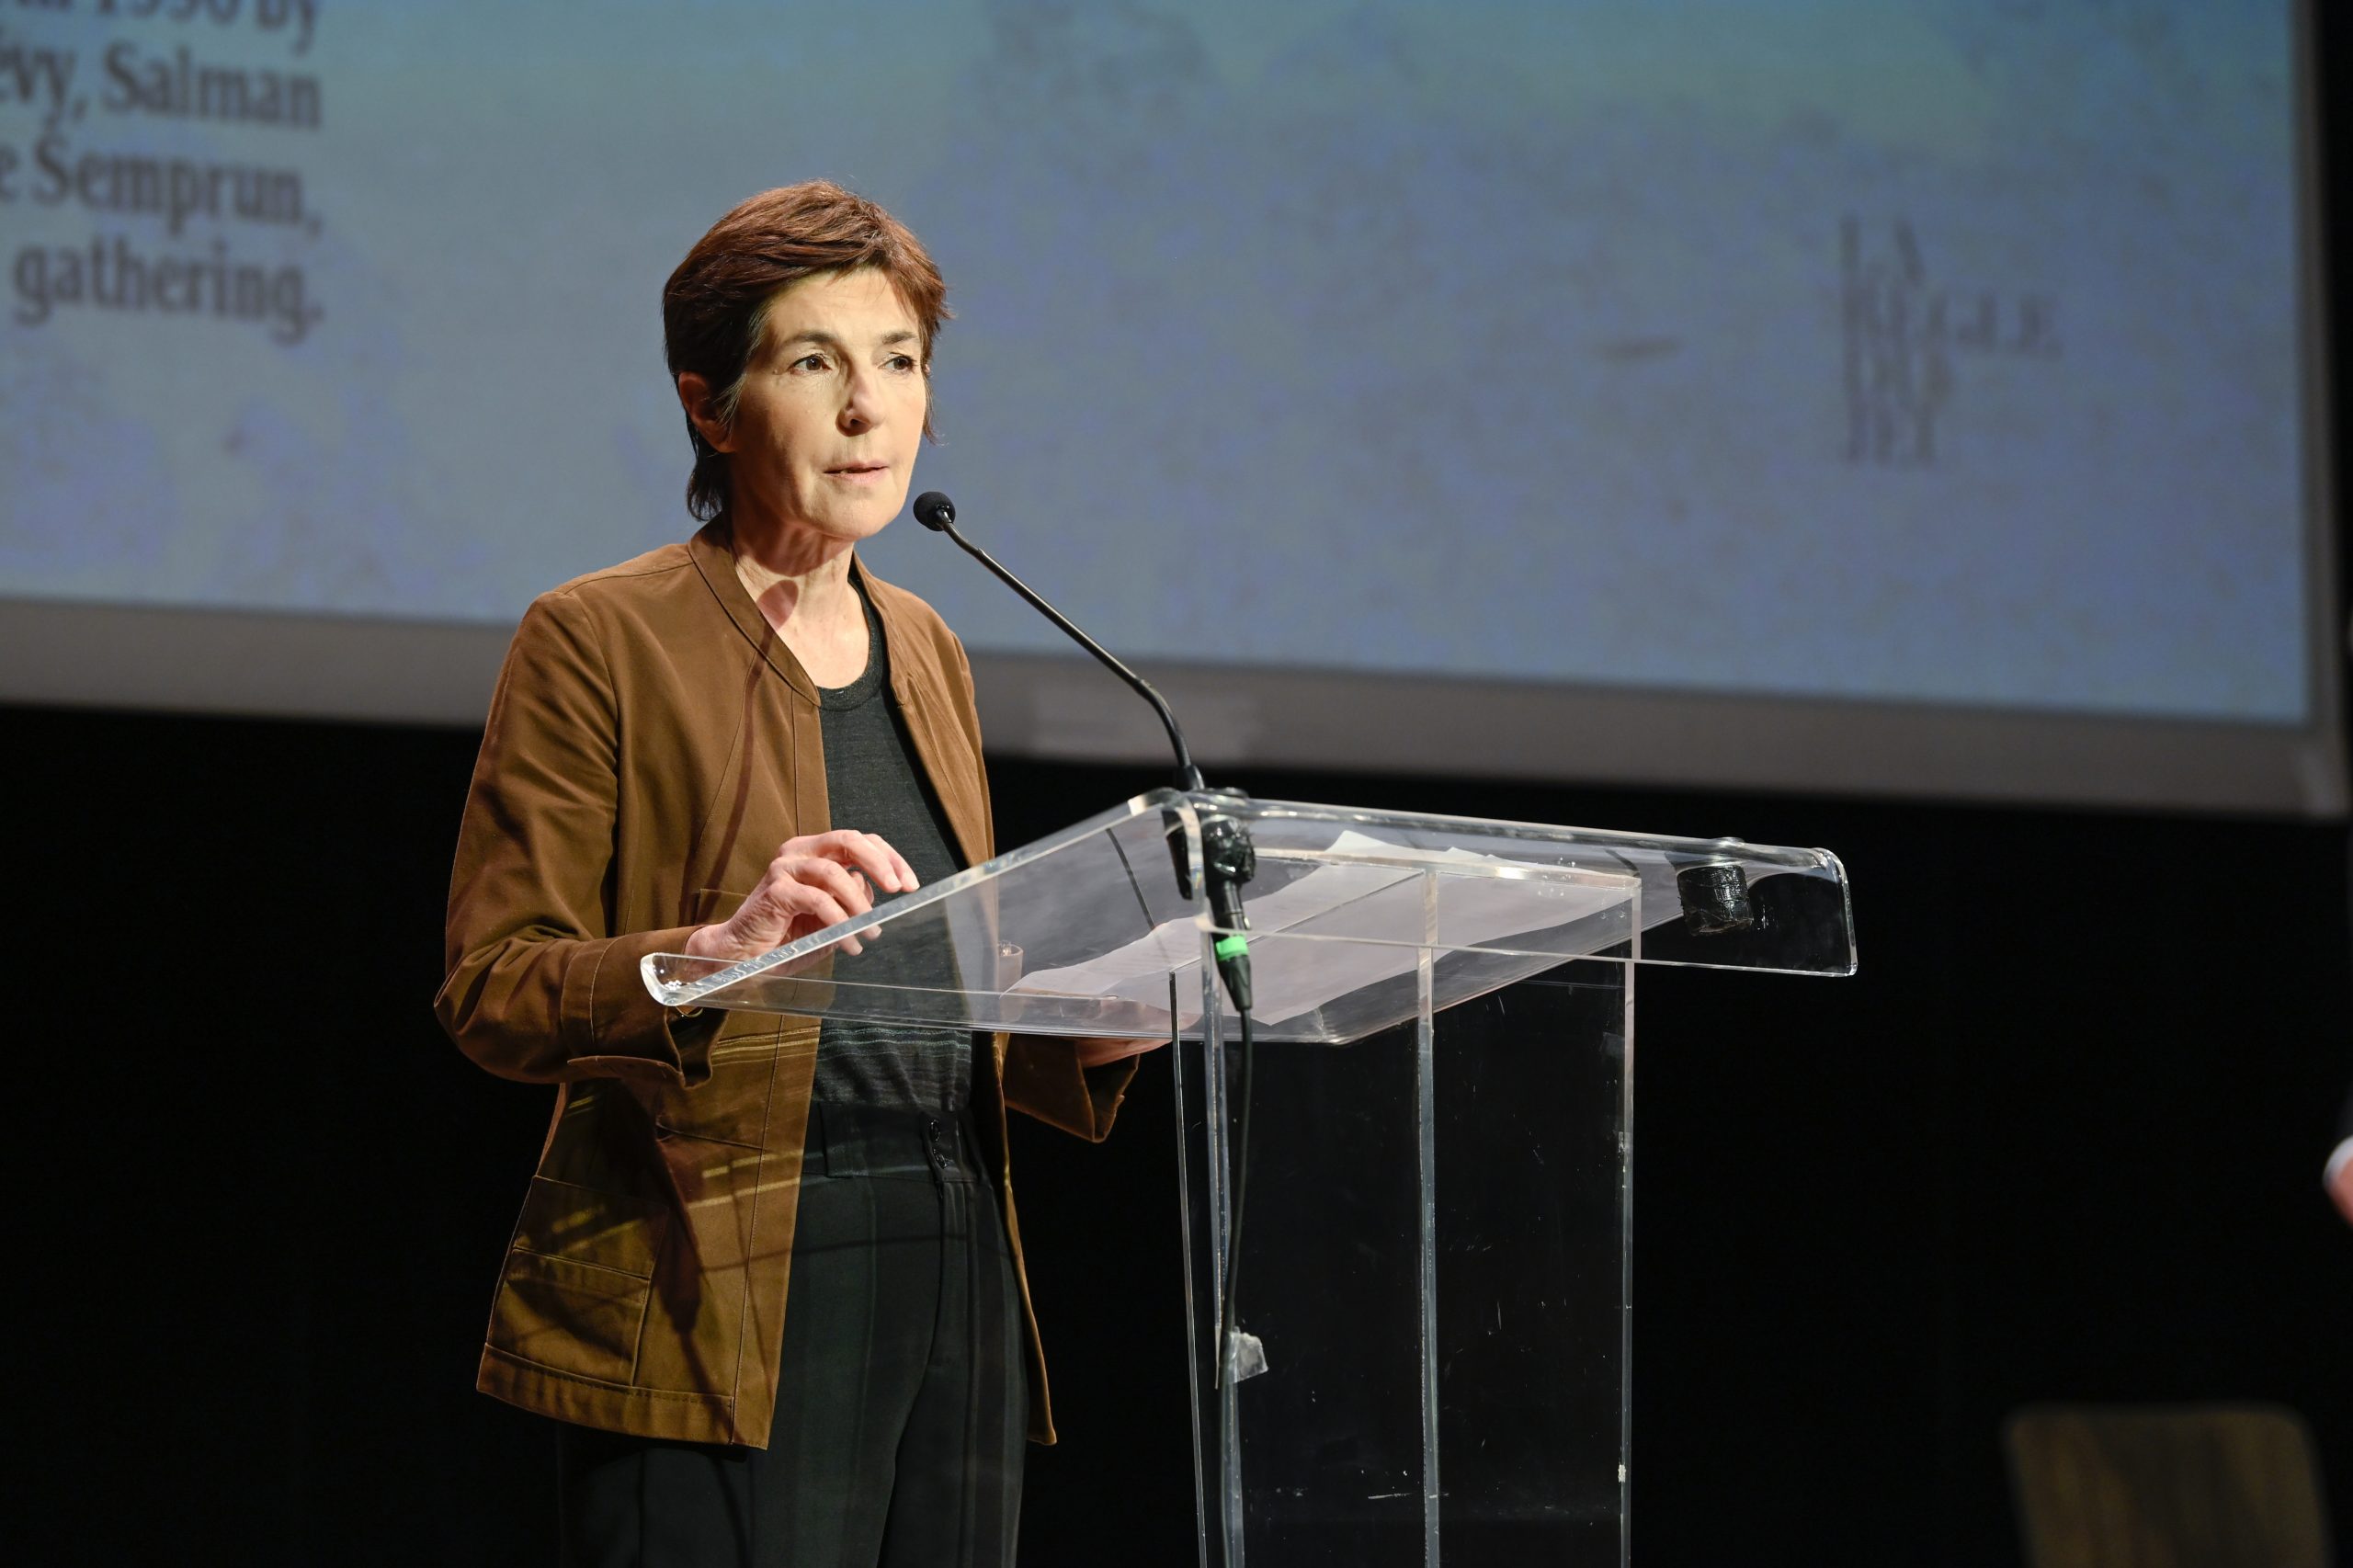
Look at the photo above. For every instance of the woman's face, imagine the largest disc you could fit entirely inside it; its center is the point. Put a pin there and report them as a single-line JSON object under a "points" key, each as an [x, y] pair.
{"points": [[832, 409]]}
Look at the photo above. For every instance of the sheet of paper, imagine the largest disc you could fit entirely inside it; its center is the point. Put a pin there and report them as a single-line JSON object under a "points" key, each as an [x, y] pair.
{"points": [[1363, 905]]}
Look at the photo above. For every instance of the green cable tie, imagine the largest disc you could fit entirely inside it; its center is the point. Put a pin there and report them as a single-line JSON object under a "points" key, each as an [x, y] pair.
{"points": [[1232, 944]]}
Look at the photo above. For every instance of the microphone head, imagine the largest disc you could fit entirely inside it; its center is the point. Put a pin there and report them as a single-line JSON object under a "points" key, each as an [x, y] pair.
{"points": [[935, 511]]}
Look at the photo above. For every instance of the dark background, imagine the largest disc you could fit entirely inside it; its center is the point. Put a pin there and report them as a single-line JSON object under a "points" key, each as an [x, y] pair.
{"points": [[2060, 1139]]}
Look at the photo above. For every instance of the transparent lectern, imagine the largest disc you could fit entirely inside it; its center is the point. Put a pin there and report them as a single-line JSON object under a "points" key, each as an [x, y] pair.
{"points": [[1430, 1353]]}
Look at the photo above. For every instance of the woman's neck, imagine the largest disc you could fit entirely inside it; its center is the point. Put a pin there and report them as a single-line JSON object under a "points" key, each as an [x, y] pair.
{"points": [[795, 575]]}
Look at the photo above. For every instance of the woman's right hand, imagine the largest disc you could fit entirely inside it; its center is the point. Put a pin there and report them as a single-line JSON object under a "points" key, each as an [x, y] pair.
{"points": [[814, 882]]}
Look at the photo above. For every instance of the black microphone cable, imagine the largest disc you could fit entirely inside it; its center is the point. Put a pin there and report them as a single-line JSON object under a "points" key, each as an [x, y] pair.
{"points": [[1228, 860], [1227, 1324]]}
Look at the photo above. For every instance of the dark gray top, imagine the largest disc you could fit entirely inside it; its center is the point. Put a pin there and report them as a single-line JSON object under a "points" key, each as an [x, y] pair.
{"points": [[874, 786]]}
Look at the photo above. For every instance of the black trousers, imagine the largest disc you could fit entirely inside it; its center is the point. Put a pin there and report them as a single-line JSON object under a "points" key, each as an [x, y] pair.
{"points": [[902, 1400]]}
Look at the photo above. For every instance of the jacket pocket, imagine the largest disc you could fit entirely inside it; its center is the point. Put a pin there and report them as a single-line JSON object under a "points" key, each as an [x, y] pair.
{"points": [[708, 905], [578, 1278], [732, 1105]]}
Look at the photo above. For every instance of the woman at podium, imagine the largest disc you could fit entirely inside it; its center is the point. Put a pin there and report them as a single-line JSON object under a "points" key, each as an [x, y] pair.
{"points": [[766, 1274]]}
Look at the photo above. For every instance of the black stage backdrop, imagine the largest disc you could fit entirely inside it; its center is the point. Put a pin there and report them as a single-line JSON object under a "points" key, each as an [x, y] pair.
{"points": [[2061, 1139]]}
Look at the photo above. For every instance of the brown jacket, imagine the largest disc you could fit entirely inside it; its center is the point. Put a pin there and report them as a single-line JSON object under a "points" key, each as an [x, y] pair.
{"points": [[651, 743]]}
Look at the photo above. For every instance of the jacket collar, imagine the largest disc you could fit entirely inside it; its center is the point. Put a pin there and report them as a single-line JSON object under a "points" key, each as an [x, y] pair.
{"points": [[715, 559]]}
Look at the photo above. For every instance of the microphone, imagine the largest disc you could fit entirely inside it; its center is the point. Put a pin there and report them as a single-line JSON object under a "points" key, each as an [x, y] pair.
{"points": [[1229, 859], [935, 511]]}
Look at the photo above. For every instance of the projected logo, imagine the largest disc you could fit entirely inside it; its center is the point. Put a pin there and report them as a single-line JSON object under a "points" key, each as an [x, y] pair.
{"points": [[1905, 333]]}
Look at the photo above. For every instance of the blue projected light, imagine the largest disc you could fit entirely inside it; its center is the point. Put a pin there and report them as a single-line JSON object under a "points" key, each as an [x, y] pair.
{"points": [[1921, 352]]}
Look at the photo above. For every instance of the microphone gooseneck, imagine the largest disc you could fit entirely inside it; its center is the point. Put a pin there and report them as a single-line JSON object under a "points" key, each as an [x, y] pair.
{"points": [[1229, 859], [935, 511]]}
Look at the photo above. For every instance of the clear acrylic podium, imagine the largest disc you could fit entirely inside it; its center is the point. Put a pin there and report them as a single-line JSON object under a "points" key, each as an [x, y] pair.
{"points": [[1430, 1361]]}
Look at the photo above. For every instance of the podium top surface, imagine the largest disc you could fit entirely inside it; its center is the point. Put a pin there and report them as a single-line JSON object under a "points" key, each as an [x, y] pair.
{"points": [[1099, 930]]}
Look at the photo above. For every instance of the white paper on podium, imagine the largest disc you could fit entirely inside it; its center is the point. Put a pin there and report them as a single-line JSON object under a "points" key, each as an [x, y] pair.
{"points": [[1354, 932]]}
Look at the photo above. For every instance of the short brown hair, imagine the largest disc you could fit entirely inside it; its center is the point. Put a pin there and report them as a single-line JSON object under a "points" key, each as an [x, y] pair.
{"points": [[716, 304]]}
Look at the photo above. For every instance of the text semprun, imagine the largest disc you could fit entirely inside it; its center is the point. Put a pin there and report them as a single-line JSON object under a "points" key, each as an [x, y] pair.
{"points": [[238, 66]]}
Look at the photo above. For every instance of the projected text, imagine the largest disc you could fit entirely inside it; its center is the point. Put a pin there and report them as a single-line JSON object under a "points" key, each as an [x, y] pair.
{"points": [[143, 260]]}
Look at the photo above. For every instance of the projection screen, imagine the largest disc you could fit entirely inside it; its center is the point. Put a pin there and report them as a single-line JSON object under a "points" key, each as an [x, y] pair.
{"points": [[1915, 396]]}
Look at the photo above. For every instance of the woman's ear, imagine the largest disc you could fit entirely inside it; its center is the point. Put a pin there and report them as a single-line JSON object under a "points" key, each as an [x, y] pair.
{"points": [[695, 397]]}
